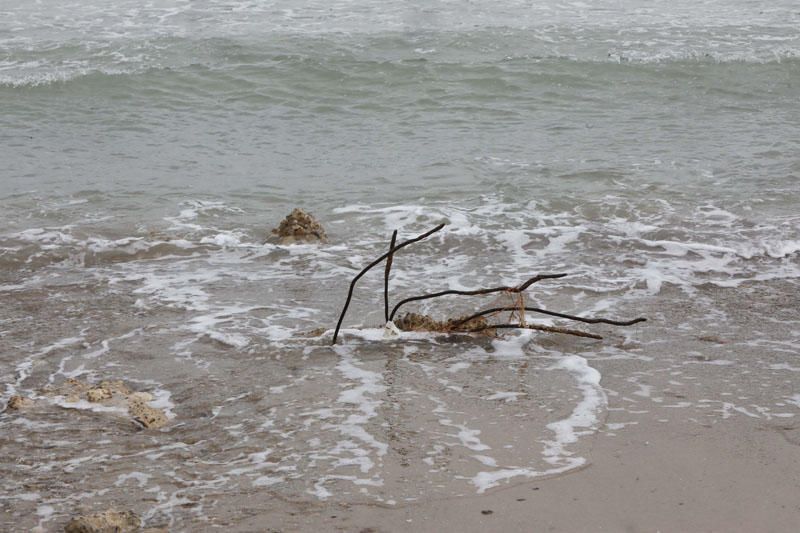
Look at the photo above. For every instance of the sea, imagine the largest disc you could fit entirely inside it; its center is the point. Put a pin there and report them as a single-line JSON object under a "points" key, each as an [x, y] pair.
{"points": [[647, 149]]}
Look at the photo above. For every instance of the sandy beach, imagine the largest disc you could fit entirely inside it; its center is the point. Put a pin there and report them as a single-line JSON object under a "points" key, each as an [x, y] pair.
{"points": [[685, 445], [700, 432]]}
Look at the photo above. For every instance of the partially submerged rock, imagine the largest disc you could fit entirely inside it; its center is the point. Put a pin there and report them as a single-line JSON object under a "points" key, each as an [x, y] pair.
{"points": [[418, 322], [72, 390], [113, 394], [19, 402], [106, 522], [98, 394], [147, 416], [298, 227]]}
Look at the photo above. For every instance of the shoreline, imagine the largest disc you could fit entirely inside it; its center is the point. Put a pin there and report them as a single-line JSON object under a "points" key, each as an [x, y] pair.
{"points": [[701, 432]]}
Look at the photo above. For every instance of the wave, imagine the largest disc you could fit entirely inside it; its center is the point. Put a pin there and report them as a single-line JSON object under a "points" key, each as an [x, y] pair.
{"points": [[717, 246], [57, 63]]}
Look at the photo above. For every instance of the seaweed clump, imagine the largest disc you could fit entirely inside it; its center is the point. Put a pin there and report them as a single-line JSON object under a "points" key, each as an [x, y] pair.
{"points": [[418, 322]]}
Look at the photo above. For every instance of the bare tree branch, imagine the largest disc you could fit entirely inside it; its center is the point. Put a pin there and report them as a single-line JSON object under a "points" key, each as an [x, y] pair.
{"points": [[476, 292], [386, 277], [370, 266], [554, 313]]}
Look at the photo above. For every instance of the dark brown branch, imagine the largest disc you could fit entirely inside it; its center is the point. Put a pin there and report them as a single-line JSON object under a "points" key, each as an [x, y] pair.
{"points": [[549, 329], [370, 266], [553, 313], [476, 292], [386, 277]]}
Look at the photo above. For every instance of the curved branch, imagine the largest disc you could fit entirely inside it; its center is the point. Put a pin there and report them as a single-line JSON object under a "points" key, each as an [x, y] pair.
{"points": [[476, 292], [553, 313], [370, 266], [386, 277]]}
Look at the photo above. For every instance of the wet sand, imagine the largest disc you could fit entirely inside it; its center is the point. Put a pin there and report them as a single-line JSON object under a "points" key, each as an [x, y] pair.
{"points": [[737, 476], [673, 454], [699, 431]]}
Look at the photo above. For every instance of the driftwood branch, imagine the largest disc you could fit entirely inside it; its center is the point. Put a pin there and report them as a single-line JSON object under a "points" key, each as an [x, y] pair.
{"points": [[473, 323], [372, 265], [386, 277], [550, 329], [552, 313], [476, 292]]}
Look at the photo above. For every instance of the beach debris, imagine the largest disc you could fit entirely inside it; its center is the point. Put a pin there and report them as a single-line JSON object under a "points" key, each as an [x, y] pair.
{"points": [[390, 331], [19, 402], [417, 322], [112, 394], [110, 521], [477, 322], [298, 227], [370, 266]]}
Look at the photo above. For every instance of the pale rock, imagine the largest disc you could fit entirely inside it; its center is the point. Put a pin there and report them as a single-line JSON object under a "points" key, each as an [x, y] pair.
{"points": [[106, 522]]}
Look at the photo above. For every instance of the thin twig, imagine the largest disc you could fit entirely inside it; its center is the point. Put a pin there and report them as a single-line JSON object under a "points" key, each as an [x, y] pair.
{"points": [[549, 329], [476, 292], [553, 313], [386, 277], [370, 266]]}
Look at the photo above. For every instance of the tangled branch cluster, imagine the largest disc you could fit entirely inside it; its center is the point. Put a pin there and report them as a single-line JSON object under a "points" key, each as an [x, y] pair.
{"points": [[473, 323]]}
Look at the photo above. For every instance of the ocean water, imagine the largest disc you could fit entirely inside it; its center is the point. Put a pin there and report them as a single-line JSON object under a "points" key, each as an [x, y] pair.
{"points": [[647, 149]]}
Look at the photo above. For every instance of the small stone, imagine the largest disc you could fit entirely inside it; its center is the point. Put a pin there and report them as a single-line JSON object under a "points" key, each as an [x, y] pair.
{"points": [[149, 417], [98, 394], [106, 522], [19, 402]]}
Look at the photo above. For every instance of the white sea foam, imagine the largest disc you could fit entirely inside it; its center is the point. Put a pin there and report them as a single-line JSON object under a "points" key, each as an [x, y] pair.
{"points": [[583, 421], [362, 396], [584, 417], [85, 405]]}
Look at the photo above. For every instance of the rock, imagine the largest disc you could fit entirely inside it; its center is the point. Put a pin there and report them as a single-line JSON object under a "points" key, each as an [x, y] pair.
{"points": [[116, 387], [19, 402], [417, 322], [71, 389], [106, 522], [113, 394], [298, 227], [98, 394], [149, 417]]}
